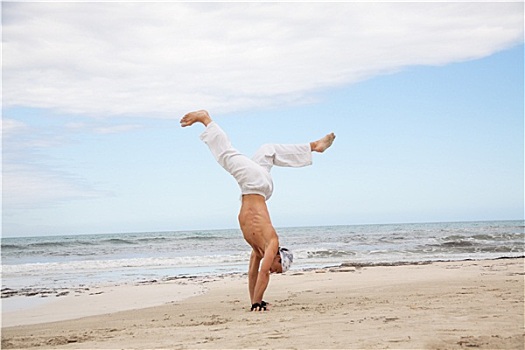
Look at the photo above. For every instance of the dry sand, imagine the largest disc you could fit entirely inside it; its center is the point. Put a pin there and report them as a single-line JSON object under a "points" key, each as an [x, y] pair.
{"points": [[446, 305]]}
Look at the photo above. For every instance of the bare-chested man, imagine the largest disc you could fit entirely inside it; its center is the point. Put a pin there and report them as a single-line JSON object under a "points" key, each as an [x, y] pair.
{"points": [[253, 177]]}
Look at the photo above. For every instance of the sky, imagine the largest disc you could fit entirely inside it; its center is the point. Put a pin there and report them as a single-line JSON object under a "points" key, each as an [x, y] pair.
{"points": [[426, 100]]}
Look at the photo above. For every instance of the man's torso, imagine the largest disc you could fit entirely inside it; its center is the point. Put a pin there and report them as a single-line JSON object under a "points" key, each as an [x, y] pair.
{"points": [[255, 223]]}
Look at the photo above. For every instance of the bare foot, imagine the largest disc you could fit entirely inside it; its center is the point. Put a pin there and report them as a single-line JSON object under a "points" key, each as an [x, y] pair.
{"points": [[321, 145], [193, 117]]}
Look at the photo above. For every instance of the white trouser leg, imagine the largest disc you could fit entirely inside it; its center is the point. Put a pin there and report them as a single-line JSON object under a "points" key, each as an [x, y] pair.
{"points": [[298, 155], [251, 177]]}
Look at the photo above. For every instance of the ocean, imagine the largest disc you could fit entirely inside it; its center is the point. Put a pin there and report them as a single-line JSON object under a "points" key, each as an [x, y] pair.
{"points": [[31, 265]]}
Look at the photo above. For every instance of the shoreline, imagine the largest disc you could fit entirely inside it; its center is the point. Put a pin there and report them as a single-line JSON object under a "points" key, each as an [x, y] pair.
{"points": [[453, 304], [44, 292], [32, 305]]}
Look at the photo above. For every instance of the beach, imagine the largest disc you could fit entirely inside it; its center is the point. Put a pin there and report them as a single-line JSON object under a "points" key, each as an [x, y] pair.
{"points": [[438, 305]]}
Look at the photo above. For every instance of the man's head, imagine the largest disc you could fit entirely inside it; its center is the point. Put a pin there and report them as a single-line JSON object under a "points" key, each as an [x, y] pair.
{"points": [[283, 260]]}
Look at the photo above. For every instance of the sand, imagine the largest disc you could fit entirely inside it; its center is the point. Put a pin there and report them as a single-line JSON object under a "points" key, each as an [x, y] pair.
{"points": [[444, 305]]}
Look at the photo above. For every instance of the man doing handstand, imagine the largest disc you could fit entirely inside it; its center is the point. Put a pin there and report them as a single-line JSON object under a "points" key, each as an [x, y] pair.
{"points": [[253, 177]]}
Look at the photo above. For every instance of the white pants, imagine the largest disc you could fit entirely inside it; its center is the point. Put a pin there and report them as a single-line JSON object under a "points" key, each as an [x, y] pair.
{"points": [[253, 175]]}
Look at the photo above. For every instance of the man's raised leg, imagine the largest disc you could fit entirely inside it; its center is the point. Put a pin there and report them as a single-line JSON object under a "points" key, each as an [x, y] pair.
{"points": [[291, 155], [237, 164]]}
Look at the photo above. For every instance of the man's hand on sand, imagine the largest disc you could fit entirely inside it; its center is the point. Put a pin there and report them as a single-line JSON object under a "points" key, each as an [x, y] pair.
{"points": [[262, 306]]}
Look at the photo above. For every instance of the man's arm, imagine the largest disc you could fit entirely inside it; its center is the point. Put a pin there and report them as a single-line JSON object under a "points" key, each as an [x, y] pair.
{"points": [[263, 276], [253, 271]]}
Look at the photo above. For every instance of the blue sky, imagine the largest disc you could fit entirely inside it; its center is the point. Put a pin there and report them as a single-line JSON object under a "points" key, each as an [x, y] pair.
{"points": [[426, 101]]}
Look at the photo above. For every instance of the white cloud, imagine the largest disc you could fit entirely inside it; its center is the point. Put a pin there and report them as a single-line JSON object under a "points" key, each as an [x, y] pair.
{"points": [[11, 126], [117, 128], [163, 59], [32, 186], [101, 128], [29, 180]]}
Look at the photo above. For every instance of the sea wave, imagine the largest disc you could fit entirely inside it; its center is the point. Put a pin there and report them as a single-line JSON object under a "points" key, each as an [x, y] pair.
{"points": [[203, 238], [6, 247], [152, 239], [329, 253], [118, 241], [111, 264], [46, 260], [45, 245]]}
